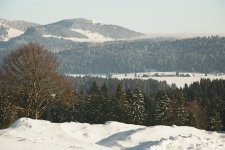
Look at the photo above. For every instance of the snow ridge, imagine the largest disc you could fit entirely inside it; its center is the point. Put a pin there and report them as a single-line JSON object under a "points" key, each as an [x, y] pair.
{"points": [[39, 134]]}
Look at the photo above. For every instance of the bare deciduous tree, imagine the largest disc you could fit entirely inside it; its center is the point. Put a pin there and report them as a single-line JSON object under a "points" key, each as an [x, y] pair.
{"points": [[29, 72]]}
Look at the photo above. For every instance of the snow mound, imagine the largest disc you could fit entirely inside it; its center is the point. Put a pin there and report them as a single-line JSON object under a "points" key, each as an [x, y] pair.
{"points": [[43, 135]]}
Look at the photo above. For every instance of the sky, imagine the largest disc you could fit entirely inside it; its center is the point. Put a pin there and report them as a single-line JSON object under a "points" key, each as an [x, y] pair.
{"points": [[146, 16]]}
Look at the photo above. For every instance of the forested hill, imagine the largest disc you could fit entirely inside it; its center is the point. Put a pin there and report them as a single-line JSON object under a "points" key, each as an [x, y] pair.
{"points": [[201, 54]]}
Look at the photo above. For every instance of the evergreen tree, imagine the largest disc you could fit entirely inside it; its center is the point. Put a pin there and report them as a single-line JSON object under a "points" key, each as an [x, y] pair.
{"points": [[190, 120], [162, 109], [93, 105], [80, 109], [130, 97], [138, 108], [107, 104], [178, 106], [219, 105], [214, 121], [122, 111]]}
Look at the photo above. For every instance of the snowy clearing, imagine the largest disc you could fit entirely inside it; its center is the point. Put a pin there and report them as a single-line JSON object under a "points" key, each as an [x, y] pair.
{"points": [[11, 33], [169, 77], [92, 37], [65, 38], [42, 135]]}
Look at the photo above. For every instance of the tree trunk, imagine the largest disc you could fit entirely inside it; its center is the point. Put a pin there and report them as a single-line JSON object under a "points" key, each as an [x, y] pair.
{"points": [[36, 114]]}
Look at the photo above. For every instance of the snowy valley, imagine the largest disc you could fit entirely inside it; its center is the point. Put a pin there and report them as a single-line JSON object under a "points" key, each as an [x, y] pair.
{"points": [[170, 77]]}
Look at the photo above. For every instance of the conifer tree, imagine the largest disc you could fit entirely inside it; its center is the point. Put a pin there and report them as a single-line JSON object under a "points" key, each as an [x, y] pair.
{"points": [[92, 104], [138, 108], [107, 104], [214, 121], [122, 111], [130, 97], [190, 119], [162, 109], [178, 106], [219, 105]]}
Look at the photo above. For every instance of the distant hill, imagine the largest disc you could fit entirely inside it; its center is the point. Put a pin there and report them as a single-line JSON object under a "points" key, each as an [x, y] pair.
{"points": [[202, 54], [11, 29], [76, 30]]}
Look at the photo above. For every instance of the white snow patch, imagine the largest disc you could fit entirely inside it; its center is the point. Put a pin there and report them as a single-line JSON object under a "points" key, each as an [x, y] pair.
{"points": [[11, 33], [92, 37], [14, 33], [38, 134], [65, 38], [169, 77]]}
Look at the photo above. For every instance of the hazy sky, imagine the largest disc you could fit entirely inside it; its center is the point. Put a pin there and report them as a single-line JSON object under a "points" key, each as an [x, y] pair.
{"points": [[147, 16]]}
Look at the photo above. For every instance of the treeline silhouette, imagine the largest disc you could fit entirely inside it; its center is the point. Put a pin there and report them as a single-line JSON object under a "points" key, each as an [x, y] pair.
{"points": [[143, 102]]}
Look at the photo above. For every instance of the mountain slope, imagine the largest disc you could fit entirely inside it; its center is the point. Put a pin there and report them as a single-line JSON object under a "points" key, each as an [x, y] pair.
{"points": [[38, 134], [76, 30], [11, 29], [83, 30], [111, 31]]}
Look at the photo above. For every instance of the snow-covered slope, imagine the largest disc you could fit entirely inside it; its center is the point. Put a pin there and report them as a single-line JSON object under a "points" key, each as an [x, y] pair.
{"points": [[81, 30], [89, 36], [42, 135], [8, 32], [93, 36], [11, 29]]}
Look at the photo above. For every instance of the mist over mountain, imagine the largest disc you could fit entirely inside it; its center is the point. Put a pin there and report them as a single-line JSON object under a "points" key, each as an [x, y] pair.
{"points": [[76, 30], [84, 46]]}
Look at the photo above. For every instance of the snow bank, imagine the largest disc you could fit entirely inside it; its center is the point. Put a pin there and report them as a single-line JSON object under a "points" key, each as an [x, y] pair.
{"points": [[42, 135]]}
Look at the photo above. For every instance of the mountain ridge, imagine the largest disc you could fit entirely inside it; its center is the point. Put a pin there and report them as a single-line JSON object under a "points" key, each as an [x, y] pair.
{"points": [[76, 30]]}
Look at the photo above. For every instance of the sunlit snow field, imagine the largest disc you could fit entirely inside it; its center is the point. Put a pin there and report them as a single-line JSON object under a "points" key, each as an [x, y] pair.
{"points": [[169, 77]]}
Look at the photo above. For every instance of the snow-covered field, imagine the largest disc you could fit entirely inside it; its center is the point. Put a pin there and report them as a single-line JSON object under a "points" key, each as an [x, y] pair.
{"points": [[28, 134], [169, 77]]}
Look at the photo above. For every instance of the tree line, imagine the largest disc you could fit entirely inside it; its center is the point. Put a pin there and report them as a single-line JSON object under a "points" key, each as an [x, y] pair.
{"points": [[155, 103]]}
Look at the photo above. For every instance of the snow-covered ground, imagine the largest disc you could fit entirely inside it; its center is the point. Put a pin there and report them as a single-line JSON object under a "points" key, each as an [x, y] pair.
{"points": [[28, 134], [169, 77], [11, 33], [92, 37]]}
